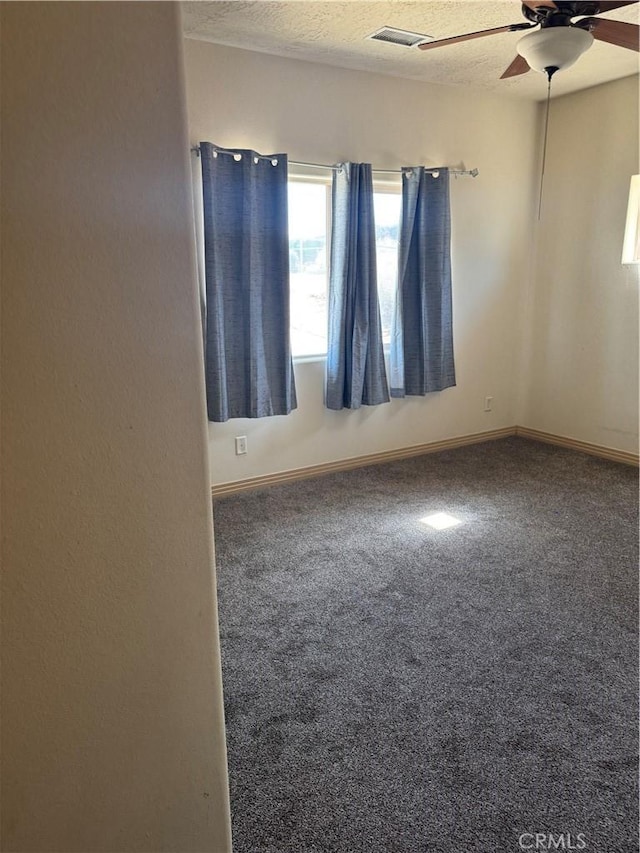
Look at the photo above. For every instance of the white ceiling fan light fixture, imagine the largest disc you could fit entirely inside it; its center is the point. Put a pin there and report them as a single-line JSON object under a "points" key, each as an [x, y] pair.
{"points": [[554, 47]]}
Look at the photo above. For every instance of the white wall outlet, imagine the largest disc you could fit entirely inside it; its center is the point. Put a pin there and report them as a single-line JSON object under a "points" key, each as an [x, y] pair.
{"points": [[488, 404], [241, 445]]}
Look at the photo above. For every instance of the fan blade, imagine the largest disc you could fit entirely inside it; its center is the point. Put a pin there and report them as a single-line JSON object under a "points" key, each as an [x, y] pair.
{"points": [[537, 4], [518, 66], [606, 6], [619, 33], [603, 5], [479, 34]]}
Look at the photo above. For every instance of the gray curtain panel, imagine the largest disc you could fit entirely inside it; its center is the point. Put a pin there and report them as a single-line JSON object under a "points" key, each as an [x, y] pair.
{"points": [[355, 360], [421, 354], [249, 371]]}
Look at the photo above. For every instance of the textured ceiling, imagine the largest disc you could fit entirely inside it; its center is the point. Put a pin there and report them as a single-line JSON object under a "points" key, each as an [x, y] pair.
{"points": [[333, 32]]}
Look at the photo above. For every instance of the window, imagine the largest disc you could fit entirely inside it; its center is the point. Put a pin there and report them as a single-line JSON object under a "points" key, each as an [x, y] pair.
{"points": [[386, 208], [308, 266], [309, 247], [631, 247]]}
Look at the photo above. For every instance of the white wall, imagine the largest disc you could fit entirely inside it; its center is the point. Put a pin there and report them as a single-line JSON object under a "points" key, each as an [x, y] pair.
{"points": [[322, 114], [582, 371], [112, 731]]}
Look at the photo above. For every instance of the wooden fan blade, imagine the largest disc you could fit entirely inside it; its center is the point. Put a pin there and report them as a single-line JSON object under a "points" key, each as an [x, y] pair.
{"points": [[606, 6], [467, 36], [537, 4], [603, 5], [619, 33], [518, 66]]}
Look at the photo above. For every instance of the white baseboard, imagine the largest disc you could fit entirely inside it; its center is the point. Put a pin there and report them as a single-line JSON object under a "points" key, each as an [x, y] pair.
{"points": [[358, 462], [223, 489], [582, 446]]}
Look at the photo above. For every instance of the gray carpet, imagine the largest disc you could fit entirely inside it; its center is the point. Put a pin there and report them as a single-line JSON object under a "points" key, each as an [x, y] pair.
{"points": [[389, 687]]}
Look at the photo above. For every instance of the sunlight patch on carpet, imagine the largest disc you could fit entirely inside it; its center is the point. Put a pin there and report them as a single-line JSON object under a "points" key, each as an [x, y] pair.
{"points": [[441, 520]]}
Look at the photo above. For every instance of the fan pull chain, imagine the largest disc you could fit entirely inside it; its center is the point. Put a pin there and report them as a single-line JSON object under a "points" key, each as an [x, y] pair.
{"points": [[550, 72]]}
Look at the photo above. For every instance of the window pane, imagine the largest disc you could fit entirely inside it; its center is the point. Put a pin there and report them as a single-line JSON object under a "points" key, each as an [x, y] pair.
{"points": [[308, 267], [387, 208], [308, 263]]}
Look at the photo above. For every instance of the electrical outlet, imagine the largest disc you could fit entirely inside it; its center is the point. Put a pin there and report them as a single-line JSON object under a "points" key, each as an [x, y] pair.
{"points": [[488, 404], [241, 445]]}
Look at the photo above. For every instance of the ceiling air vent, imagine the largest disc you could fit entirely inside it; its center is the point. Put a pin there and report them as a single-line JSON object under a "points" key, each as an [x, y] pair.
{"points": [[401, 37]]}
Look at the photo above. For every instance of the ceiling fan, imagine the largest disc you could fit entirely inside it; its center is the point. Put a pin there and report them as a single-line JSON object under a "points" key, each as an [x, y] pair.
{"points": [[556, 40]]}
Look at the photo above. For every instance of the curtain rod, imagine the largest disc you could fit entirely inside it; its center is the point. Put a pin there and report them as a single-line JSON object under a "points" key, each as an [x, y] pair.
{"points": [[471, 172]]}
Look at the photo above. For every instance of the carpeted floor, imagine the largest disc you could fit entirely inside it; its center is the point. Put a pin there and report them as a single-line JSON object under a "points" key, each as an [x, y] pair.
{"points": [[390, 688]]}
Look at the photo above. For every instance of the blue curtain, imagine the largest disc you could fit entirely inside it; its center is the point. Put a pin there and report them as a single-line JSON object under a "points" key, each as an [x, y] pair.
{"points": [[421, 355], [355, 360], [249, 372]]}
